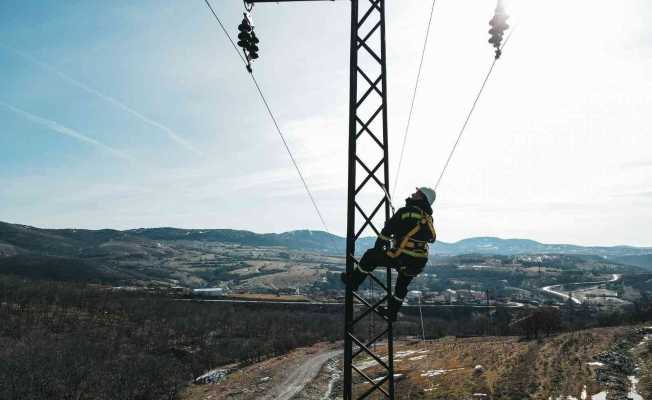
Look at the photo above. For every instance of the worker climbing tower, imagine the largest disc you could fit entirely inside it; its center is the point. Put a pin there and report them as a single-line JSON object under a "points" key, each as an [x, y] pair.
{"points": [[368, 202], [368, 193]]}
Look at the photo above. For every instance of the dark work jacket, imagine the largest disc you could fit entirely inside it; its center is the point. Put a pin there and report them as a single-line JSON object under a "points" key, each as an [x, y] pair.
{"points": [[397, 226]]}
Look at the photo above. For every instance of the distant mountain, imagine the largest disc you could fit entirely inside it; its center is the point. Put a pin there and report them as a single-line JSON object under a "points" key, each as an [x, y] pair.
{"points": [[295, 240], [642, 260], [21, 239], [493, 245]]}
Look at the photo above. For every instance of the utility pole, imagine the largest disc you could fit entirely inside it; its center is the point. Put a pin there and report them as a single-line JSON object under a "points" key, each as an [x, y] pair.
{"points": [[368, 205]]}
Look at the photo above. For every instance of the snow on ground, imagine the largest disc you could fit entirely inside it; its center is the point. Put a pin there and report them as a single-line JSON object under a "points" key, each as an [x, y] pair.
{"points": [[595, 364], [436, 372], [633, 392], [213, 376]]}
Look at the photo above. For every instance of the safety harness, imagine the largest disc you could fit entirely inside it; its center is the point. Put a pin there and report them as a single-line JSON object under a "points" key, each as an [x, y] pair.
{"points": [[408, 244]]}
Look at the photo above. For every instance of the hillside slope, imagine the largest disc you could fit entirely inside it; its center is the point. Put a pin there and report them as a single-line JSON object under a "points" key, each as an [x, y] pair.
{"points": [[484, 368]]}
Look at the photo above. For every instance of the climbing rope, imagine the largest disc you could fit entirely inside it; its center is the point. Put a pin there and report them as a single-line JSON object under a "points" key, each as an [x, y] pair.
{"points": [[423, 331], [414, 94]]}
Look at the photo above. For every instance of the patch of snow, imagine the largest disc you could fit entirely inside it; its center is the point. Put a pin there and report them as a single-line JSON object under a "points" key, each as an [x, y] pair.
{"points": [[417, 358], [633, 391], [584, 394], [599, 396], [400, 354], [436, 372], [334, 377], [213, 376], [366, 364], [595, 364], [380, 378], [264, 379]]}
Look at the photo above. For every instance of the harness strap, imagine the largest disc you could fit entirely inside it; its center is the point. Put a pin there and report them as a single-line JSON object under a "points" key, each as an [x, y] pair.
{"points": [[385, 238], [356, 266], [410, 246], [406, 238]]}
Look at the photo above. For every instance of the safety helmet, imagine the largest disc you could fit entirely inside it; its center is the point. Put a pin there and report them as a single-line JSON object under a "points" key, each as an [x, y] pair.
{"points": [[429, 193]]}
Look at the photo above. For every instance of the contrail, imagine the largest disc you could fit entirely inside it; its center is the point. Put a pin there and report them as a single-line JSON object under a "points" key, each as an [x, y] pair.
{"points": [[57, 127], [171, 134]]}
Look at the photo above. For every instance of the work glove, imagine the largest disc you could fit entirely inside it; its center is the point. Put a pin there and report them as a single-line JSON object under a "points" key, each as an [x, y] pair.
{"points": [[381, 244]]}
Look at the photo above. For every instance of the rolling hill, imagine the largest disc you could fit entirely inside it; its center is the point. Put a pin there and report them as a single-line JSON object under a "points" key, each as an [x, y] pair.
{"points": [[176, 255]]}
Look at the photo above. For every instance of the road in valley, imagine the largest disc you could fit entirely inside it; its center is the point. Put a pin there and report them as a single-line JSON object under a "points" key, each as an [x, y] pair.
{"points": [[553, 289], [300, 376]]}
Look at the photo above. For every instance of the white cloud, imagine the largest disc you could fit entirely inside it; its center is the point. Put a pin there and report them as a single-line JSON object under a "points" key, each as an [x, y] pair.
{"points": [[129, 110]]}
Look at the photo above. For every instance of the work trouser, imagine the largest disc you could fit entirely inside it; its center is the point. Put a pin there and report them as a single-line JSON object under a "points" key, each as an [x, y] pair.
{"points": [[408, 268]]}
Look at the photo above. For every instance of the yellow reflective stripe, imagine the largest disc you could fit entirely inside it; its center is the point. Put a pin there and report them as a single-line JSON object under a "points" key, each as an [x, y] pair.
{"points": [[414, 244], [398, 252], [415, 254], [411, 215]]}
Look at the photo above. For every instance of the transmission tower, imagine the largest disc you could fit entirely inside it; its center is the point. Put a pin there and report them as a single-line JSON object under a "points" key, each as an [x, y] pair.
{"points": [[368, 205]]}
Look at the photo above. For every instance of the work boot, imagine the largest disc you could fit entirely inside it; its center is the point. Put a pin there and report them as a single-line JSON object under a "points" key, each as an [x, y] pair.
{"points": [[391, 311], [388, 313], [346, 278], [356, 278]]}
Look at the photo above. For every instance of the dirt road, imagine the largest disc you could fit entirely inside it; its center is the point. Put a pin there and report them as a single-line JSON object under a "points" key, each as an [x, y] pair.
{"points": [[300, 377]]}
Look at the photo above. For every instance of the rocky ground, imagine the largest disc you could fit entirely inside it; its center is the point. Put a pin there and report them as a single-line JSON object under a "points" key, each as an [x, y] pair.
{"points": [[624, 365], [596, 364]]}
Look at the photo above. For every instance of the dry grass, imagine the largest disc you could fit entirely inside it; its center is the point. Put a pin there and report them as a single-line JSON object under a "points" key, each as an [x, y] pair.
{"points": [[511, 369]]}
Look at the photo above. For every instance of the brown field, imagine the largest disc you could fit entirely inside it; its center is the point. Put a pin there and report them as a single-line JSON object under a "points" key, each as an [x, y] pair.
{"points": [[511, 368]]}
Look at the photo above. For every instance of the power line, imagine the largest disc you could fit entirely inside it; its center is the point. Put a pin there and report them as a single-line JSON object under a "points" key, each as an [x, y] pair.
{"points": [[285, 143], [414, 95], [226, 33], [468, 117], [271, 114]]}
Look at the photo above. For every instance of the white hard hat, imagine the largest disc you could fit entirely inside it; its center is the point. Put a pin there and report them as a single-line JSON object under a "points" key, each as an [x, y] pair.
{"points": [[429, 193]]}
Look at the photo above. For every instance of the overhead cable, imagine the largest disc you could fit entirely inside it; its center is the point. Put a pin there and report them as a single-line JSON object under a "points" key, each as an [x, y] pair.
{"points": [[271, 114], [414, 95], [468, 117]]}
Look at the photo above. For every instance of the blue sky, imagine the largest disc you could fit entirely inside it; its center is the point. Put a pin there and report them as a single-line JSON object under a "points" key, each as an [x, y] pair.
{"points": [[129, 114]]}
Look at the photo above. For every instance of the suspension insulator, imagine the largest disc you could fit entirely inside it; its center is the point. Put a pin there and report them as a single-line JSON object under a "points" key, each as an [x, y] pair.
{"points": [[244, 26], [498, 27]]}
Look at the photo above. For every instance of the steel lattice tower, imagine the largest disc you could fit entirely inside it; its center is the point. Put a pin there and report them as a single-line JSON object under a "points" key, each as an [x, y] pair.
{"points": [[368, 205]]}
